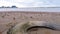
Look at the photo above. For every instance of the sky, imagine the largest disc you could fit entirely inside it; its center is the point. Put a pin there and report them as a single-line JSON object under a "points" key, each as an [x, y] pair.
{"points": [[30, 3]]}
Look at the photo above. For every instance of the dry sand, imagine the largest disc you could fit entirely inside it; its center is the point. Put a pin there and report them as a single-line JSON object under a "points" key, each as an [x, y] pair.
{"points": [[10, 18]]}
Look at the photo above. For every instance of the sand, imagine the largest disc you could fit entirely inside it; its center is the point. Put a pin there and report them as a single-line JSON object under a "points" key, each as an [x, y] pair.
{"points": [[7, 19]]}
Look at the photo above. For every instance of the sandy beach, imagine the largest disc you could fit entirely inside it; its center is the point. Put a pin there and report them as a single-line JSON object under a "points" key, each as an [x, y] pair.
{"points": [[7, 19]]}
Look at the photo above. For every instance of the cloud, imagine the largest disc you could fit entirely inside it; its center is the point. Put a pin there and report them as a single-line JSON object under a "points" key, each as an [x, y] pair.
{"points": [[27, 3], [10, 3], [4, 3]]}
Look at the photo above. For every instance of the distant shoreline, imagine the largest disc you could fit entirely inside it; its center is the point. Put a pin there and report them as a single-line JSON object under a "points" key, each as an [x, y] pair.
{"points": [[35, 9]]}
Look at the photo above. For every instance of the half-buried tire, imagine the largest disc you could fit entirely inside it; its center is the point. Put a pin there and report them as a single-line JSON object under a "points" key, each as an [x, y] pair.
{"points": [[23, 28]]}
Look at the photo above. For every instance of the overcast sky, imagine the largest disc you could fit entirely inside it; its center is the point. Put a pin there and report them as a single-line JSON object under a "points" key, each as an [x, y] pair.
{"points": [[30, 3]]}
